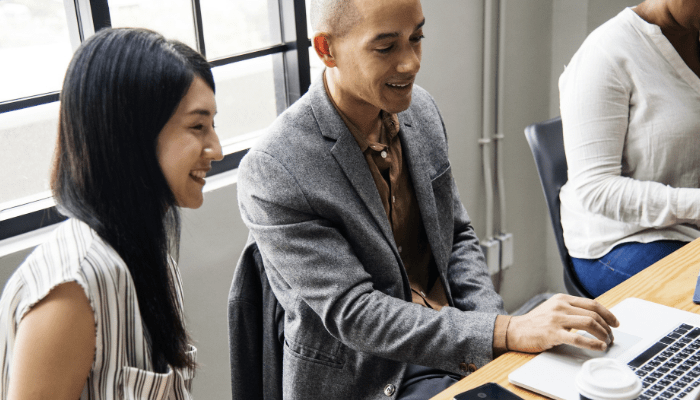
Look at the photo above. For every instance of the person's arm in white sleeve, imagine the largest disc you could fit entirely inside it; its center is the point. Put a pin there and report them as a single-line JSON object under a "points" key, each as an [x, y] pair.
{"points": [[595, 106]]}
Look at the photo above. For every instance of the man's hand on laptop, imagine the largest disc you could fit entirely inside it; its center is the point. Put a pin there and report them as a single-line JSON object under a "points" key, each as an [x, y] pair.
{"points": [[550, 324]]}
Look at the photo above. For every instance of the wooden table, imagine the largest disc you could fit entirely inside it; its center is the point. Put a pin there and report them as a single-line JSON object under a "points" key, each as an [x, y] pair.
{"points": [[670, 282]]}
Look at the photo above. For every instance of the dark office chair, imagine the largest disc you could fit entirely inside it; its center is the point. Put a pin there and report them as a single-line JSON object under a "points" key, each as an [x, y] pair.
{"points": [[547, 144], [256, 331]]}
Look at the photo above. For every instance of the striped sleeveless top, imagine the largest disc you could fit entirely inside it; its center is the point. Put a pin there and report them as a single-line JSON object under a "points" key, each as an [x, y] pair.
{"points": [[122, 367]]}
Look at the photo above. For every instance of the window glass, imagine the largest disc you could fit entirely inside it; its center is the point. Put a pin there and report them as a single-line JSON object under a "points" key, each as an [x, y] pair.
{"points": [[237, 26], [171, 18], [316, 65], [35, 50], [34, 47], [28, 138], [245, 97], [309, 29]]}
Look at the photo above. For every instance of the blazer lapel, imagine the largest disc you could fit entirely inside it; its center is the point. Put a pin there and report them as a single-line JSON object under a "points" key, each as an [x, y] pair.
{"points": [[348, 155], [411, 144]]}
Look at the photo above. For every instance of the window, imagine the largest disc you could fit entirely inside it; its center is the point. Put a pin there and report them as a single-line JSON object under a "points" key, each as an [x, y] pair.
{"points": [[259, 49], [315, 63], [172, 18]]}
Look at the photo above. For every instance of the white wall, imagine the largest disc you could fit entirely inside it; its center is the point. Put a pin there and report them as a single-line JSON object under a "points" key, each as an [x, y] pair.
{"points": [[541, 35], [540, 38], [452, 72], [212, 240], [525, 80]]}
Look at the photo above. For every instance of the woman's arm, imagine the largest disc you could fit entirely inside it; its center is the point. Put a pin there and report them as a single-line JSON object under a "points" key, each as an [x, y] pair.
{"points": [[55, 347], [595, 109]]}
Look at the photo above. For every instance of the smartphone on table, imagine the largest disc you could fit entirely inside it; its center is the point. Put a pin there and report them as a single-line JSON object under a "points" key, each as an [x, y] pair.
{"points": [[488, 391]]}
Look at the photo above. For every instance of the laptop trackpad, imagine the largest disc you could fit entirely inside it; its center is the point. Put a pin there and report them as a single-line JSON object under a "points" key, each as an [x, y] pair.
{"points": [[623, 342]]}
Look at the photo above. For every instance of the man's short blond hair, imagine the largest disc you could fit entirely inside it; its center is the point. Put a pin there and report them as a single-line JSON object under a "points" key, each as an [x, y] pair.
{"points": [[336, 17]]}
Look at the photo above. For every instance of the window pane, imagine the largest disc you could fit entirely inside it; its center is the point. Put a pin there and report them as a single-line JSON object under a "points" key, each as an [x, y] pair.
{"points": [[316, 65], [171, 18], [34, 47], [237, 26], [28, 137], [309, 29], [245, 97]]}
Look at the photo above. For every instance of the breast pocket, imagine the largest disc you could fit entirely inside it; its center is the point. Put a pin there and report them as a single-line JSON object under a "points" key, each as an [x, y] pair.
{"points": [[139, 384]]}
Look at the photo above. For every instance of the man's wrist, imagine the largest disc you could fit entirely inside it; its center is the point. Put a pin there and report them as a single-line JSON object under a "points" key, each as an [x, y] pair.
{"points": [[500, 335]]}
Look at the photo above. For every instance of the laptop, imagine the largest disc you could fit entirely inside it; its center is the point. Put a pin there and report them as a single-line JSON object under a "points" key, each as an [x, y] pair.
{"points": [[660, 344]]}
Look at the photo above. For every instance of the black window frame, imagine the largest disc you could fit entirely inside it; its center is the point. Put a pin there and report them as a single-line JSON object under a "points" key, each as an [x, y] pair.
{"points": [[291, 71]]}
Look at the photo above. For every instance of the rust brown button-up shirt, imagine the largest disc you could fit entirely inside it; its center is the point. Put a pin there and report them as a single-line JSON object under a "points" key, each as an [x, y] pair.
{"points": [[392, 178]]}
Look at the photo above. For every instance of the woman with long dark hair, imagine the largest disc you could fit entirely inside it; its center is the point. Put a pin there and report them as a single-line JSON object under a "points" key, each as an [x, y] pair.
{"points": [[96, 311]]}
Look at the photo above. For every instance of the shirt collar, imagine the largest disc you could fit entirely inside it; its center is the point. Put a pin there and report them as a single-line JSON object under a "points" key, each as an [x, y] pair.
{"points": [[390, 122]]}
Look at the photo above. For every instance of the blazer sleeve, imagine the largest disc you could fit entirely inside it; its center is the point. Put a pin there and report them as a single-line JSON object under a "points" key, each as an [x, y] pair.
{"points": [[310, 258], [470, 282]]}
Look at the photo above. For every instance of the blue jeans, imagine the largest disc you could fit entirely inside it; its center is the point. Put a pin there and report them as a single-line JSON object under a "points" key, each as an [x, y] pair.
{"points": [[599, 275]]}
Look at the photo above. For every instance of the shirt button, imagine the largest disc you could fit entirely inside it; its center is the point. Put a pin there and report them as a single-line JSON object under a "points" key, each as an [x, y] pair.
{"points": [[422, 293], [393, 199], [389, 390], [400, 249], [464, 367], [383, 154]]}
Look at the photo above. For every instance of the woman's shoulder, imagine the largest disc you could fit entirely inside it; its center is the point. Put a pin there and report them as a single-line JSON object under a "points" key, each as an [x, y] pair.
{"points": [[608, 53], [73, 244], [74, 252], [620, 36]]}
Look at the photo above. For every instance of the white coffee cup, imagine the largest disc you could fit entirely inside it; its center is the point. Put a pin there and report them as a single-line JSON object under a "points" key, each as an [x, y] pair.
{"points": [[607, 379]]}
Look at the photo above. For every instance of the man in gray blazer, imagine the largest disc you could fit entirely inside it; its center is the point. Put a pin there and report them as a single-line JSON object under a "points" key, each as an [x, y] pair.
{"points": [[364, 239]]}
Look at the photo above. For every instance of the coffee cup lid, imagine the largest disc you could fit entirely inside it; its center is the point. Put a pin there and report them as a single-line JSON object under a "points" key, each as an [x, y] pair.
{"points": [[607, 379]]}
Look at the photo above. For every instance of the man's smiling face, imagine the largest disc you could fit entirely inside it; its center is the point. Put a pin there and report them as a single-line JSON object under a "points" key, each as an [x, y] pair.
{"points": [[377, 61]]}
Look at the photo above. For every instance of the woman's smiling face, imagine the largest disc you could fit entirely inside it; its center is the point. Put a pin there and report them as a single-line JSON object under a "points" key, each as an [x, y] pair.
{"points": [[187, 144]]}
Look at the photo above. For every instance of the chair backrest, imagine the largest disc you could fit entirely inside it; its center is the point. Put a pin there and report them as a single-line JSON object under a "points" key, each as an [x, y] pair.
{"points": [[256, 331], [546, 141]]}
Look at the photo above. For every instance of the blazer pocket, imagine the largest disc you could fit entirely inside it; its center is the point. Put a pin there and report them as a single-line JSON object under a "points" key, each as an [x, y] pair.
{"points": [[311, 355], [442, 178], [139, 384], [444, 203]]}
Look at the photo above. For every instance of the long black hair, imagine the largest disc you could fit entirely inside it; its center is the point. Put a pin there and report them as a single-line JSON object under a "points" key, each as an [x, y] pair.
{"points": [[120, 89]]}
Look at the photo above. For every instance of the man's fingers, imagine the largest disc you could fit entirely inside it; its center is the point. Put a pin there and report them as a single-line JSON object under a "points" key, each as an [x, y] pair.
{"points": [[609, 317], [585, 314], [564, 307], [550, 323], [584, 342], [595, 307], [589, 325]]}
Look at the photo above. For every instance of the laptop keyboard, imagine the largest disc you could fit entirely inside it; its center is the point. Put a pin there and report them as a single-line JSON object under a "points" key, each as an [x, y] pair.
{"points": [[670, 368]]}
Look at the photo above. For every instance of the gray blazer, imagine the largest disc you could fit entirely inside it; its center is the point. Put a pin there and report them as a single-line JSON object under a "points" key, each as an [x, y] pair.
{"points": [[308, 197]]}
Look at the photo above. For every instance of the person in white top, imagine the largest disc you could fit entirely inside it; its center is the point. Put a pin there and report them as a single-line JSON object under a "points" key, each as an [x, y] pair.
{"points": [[630, 108], [96, 311]]}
